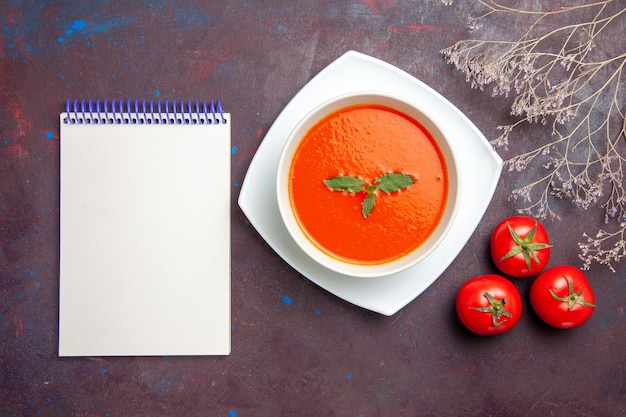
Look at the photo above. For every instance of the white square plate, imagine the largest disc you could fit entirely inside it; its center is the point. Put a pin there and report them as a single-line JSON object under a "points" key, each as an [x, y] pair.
{"points": [[479, 165]]}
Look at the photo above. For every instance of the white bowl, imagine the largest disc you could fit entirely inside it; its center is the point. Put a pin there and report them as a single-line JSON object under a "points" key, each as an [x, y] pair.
{"points": [[291, 222]]}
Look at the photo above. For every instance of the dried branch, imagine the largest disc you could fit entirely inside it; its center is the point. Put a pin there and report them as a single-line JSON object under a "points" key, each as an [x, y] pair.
{"points": [[557, 80]]}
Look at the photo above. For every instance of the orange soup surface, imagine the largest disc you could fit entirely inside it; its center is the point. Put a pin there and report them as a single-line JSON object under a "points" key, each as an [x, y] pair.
{"points": [[368, 141]]}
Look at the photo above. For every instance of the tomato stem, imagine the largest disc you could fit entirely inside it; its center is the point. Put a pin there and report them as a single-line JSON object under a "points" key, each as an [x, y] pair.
{"points": [[572, 298], [496, 308], [525, 246]]}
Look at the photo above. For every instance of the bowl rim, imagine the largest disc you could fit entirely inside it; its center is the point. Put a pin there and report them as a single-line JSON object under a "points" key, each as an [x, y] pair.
{"points": [[288, 215]]}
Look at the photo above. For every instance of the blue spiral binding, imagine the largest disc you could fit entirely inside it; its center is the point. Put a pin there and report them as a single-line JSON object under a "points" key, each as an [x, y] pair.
{"points": [[144, 112]]}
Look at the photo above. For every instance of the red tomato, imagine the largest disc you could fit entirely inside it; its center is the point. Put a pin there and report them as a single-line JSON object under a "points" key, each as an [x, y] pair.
{"points": [[489, 305], [562, 297], [520, 246]]}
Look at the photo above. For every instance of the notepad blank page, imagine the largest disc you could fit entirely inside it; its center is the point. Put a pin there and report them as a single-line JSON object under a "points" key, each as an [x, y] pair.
{"points": [[145, 240]]}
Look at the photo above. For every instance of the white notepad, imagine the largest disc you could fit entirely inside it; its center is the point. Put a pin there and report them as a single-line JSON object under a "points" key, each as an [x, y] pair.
{"points": [[145, 229]]}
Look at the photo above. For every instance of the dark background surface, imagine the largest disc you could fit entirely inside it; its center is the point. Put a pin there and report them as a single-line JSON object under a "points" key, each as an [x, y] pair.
{"points": [[296, 349]]}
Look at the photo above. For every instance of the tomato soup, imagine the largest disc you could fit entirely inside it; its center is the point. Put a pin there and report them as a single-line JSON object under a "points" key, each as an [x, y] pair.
{"points": [[368, 141]]}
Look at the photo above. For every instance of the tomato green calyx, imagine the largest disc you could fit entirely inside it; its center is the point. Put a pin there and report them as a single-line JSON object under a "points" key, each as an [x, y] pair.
{"points": [[525, 246], [572, 298], [496, 308]]}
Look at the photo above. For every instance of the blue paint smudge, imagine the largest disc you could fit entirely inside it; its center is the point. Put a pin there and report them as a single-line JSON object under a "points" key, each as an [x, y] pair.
{"points": [[349, 376], [231, 413], [106, 371], [96, 28], [279, 27], [49, 135], [233, 150], [157, 93], [287, 300], [78, 25], [317, 312]]}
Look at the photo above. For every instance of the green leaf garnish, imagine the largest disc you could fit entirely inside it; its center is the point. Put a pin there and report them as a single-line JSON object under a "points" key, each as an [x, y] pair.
{"points": [[345, 183], [393, 182], [387, 183], [368, 204]]}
